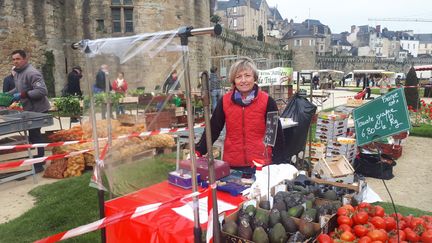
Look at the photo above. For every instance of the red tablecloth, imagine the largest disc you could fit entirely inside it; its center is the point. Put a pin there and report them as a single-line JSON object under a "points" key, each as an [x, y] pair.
{"points": [[163, 225]]}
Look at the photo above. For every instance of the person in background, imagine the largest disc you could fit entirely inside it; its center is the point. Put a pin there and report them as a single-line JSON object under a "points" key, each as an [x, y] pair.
{"points": [[372, 81], [315, 81], [32, 92], [384, 85], [171, 83], [215, 87], [243, 112], [366, 85], [120, 86], [398, 80], [330, 80], [73, 84], [100, 85], [9, 82]]}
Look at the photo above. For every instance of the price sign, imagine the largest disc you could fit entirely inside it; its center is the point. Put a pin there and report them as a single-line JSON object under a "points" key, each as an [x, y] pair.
{"points": [[384, 116], [272, 121]]}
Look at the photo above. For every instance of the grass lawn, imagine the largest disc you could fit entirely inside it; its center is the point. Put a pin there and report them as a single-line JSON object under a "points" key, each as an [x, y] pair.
{"points": [[70, 203]]}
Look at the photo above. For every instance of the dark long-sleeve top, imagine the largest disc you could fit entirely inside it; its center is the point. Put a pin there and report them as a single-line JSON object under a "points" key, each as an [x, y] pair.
{"points": [[217, 123], [74, 87], [8, 83]]}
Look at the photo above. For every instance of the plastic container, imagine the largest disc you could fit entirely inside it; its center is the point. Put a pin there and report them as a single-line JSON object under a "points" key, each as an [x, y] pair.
{"points": [[6, 99]]}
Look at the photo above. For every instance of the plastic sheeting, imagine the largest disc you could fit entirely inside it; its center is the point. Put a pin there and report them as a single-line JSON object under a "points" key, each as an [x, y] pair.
{"points": [[147, 61], [300, 110]]}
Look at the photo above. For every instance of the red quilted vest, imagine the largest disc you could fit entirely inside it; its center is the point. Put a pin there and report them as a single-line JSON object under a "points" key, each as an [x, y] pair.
{"points": [[245, 130]]}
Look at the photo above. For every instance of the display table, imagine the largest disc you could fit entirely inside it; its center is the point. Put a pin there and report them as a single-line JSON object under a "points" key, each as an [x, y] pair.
{"points": [[163, 225]]}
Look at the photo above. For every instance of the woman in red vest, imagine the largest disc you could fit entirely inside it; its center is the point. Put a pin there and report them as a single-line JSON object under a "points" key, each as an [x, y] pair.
{"points": [[243, 111]]}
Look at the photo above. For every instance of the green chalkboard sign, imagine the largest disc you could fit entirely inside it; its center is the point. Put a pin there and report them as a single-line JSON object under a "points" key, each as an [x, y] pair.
{"points": [[384, 116]]}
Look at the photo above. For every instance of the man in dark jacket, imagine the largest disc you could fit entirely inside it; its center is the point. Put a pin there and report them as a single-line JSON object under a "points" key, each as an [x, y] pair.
{"points": [[73, 84], [32, 91]]}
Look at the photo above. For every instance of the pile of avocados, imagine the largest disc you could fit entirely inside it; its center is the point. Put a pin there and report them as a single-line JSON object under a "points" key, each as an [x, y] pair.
{"points": [[291, 219]]}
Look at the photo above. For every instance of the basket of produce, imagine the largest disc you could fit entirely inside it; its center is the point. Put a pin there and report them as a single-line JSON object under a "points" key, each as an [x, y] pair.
{"points": [[6, 99]]}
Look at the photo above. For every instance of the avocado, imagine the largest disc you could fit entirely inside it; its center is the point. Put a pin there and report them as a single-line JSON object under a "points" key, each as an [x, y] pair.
{"points": [[230, 227], [261, 219], [260, 236], [309, 215], [279, 205], [306, 228], [250, 210], [296, 211], [274, 217], [288, 223], [265, 204], [278, 234], [330, 195], [245, 230]]}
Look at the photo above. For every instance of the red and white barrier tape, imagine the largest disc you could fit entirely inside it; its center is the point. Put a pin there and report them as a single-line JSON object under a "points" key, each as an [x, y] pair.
{"points": [[25, 162], [102, 223], [55, 144]]}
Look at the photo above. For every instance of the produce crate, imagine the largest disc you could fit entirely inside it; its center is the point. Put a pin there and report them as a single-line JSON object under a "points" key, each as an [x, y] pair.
{"points": [[6, 99], [337, 167]]}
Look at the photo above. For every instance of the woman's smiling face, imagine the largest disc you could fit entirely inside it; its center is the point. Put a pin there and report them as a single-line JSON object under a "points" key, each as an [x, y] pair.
{"points": [[244, 81]]}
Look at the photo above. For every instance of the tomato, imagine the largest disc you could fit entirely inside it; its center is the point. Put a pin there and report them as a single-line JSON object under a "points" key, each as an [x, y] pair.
{"points": [[378, 222], [398, 215], [415, 222], [360, 230], [342, 211], [324, 238], [344, 227], [411, 235], [376, 241], [349, 207], [344, 220], [365, 239], [377, 235], [379, 211], [393, 235], [360, 218], [402, 224], [347, 236], [390, 223], [364, 207], [426, 237]]}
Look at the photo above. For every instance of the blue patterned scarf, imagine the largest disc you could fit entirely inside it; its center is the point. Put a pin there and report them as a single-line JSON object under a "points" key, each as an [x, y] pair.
{"points": [[246, 101]]}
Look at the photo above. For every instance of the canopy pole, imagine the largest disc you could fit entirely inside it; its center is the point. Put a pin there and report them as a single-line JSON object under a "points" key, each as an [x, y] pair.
{"points": [[212, 177]]}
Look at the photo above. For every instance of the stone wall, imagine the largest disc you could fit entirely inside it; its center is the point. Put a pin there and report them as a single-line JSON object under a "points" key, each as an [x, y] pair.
{"points": [[41, 26], [347, 64]]}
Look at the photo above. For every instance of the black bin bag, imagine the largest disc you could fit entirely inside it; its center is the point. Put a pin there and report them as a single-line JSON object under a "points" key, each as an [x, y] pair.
{"points": [[300, 110], [371, 165]]}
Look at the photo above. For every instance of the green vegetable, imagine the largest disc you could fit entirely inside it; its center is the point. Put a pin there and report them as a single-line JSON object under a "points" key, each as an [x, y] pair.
{"points": [[68, 106]]}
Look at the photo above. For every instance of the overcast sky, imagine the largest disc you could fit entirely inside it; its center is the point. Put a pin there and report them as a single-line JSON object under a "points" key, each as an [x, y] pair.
{"points": [[339, 15]]}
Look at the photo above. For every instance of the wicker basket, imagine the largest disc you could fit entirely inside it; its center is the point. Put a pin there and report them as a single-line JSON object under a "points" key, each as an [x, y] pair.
{"points": [[6, 99]]}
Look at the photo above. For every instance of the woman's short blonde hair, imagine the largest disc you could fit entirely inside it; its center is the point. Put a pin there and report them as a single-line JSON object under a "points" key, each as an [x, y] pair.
{"points": [[244, 63]]}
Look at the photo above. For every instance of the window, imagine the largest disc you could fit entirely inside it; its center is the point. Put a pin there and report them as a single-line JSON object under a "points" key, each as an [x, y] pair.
{"points": [[235, 10], [235, 22], [311, 42], [408, 46], [297, 43], [122, 16], [321, 47], [100, 26]]}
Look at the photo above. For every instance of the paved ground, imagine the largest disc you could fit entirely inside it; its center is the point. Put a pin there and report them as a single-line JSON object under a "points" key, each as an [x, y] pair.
{"points": [[410, 187]]}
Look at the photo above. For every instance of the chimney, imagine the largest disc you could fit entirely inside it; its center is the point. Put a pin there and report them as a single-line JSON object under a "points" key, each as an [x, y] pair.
{"points": [[378, 28]]}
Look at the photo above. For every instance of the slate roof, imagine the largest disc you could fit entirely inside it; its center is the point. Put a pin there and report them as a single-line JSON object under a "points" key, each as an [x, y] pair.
{"points": [[275, 12], [424, 38], [224, 5]]}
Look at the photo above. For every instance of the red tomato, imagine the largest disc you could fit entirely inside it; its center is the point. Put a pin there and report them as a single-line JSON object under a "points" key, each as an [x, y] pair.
{"points": [[360, 230], [344, 227], [365, 239], [398, 215], [402, 224], [344, 220], [426, 237], [390, 223], [365, 207], [379, 211], [360, 218], [415, 222], [347, 236], [378, 222], [393, 235], [349, 207], [377, 235], [376, 241], [411, 235], [342, 211], [324, 238]]}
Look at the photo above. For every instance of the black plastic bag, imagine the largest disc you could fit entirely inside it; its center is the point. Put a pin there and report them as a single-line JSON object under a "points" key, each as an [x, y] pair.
{"points": [[300, 110], [371, 165]]}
